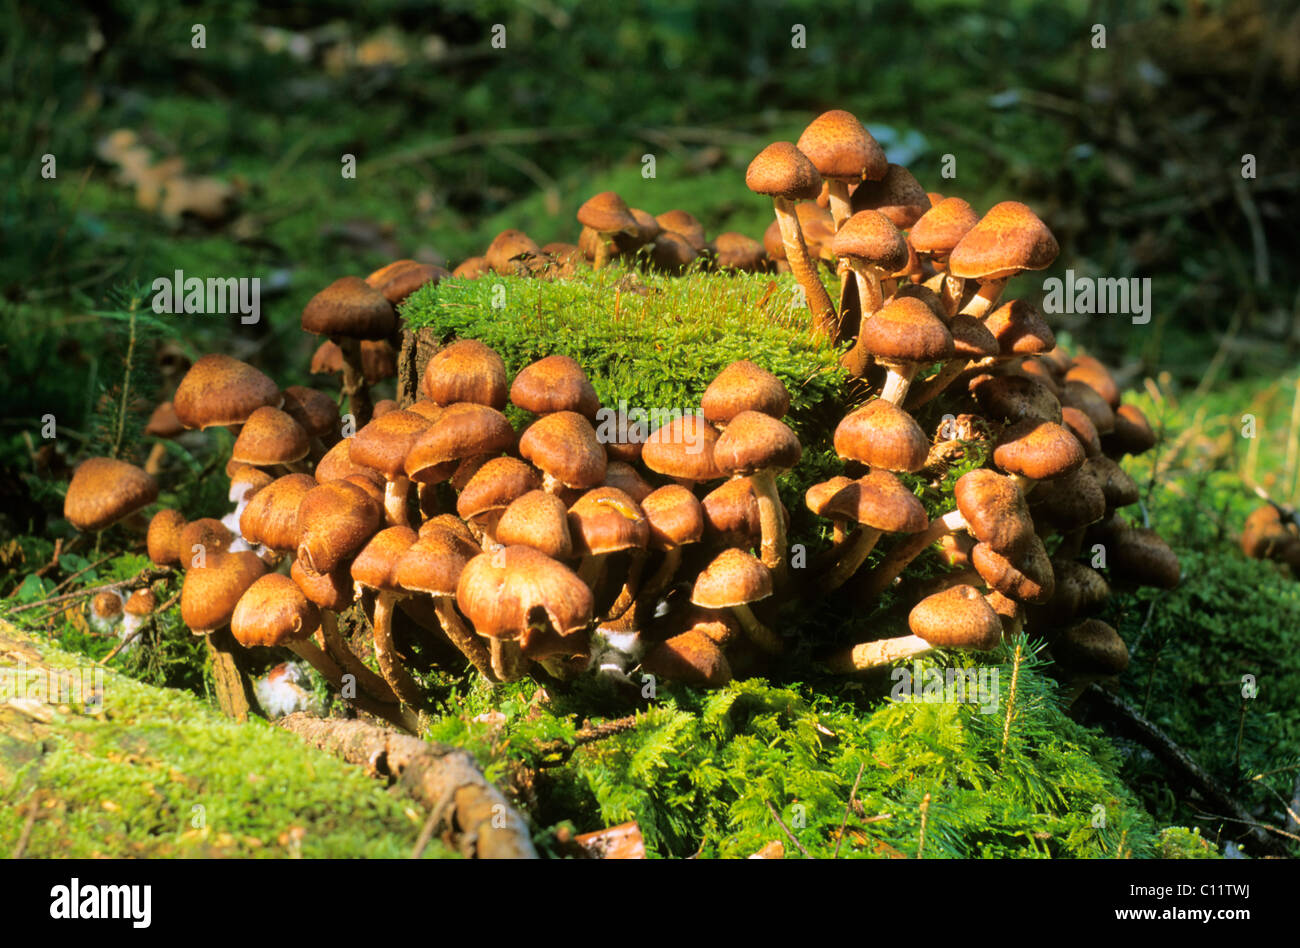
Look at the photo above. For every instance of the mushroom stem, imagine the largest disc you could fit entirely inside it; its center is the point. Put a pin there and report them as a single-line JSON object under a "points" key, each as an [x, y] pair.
{"points": [[1026, 484], [354, 381], [308, 652], [762, 637], [428, 499], [837, 193], [338, 649], [153, 464], [871, 293], [396, 492], [771, 523], [825, 322], [888, 569], [470, 645], [985, 298], [897, 382], [933, 387], [850, 559], [868, 655], [604, 246], [631, 586], [663, 575], [398, 678], [508, 662], [592, 570]]}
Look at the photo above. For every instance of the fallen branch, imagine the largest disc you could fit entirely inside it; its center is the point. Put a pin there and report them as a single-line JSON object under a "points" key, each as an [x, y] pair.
{"points": [[588, 735], [480, 821], [1129, 723], [144, 578]]}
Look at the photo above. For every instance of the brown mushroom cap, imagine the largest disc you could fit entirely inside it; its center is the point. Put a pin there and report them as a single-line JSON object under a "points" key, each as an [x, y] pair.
{"points": [[1081, 427], [683, 224], [219, 390], [942, 227], [675, 517], [269, 437], [958, 617], [606, 520], [471, 268], [1020, 329], [1039, 450], [1080, 590], [880, 434], [1132, 434], [607, 213], [463, 430], [314, 410], [376, 565], [906, 331], [1013, 398], [378, 360], [335, 520], [731, 515], [271, 517], [163, 538], [1091, 648], [756, 442], [1139, 557], [734, 578], [994, 510], [163, 423], [495, 486], [898, 196], [1069, 502], [104, 491], [210, 593], [383, 444], [971, 339], [513, 253], [683, 449], [273, 611], [539, 520], [782, 170], [839, 147], [333, 591], [1008, 239], [401, 278], [880, 501], [627, 479], [434, 562], [1096, 376], [1083, 397], [691, 658], [1119, 489], [736, 251], [744, 386], [565, 447], [823, 498], [1028, 579], [518, 592], [555, 383], [871, 237], [466, 371], [337, 464], [350, 308]]}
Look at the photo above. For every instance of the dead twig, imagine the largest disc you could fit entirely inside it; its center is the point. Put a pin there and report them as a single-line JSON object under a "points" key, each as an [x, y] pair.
{"points": [[848, 807], [785, 829], [144, 578]]}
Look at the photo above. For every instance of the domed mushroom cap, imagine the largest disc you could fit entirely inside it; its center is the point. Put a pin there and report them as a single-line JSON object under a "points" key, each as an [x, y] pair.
{"points": [[1013, 398], [958, 617], [1081, 426], [898, 196], [1028, 579], [839, 147], [466, 371], [1080, 590], [607, 213], [971, 339], [683, 449], [731, 515], [626, 478], [518, 592], [401, 278], [495, 486], [1020, 329], [538, 520], [202, 539], [1008, 239], [383, 444], [106, 606], [692, 658], [271, 517], [1069, 502], [606, 520], [880, 434], [737, 251], [337, 464], [942, 227], [871, 237], [1081, 396], [880, 501], [219, 390], [905, 330], [333, 590], [513, 252], [1091, 648], [1039, 450], [672, 253], [824, 499], [270, 437], [1117, 487], [565, 447], [434, 562], [734, 578], [1096, 376], [273, 611], [463, 430], [782, 170], [683, 224], [163, 423], [104, 491], [163, 538], [335, 520], [1132, 434], [994, 510], [349, 307], [744, 386], [756, 442], [1138, 556], [376, 565], [555, 383], [675, 517], [314, 410], [471, 268], [210, 593]]}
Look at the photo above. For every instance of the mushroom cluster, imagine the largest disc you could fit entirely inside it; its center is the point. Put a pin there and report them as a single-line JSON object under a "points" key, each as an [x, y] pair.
{"points": [[554, 549], [1272, 532]]}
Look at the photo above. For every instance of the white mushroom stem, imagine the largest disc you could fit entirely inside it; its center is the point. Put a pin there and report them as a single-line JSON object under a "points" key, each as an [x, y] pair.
{"points": [[398, 678], [470, 645], [868, 655], [871, 293], [889, 569], [898, 381], [825, 322], [372, 684], [763, 638], [771, 522], [985, 298], [854, 554], [396, 492]]}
